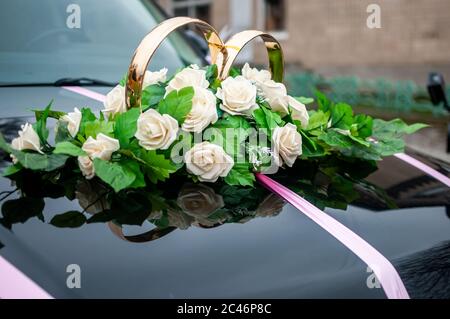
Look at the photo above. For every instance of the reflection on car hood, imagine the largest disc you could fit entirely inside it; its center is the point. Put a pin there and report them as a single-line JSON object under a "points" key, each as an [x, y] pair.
{"points": [[286, 255], [15, 101]]}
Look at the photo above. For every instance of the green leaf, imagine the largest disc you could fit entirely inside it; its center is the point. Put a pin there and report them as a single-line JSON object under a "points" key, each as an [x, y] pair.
{"points": [[86, 117], [304, 100], [324, 104], [234, 72], [240, 175], [336, 139], [318, 120], [12, 169], [41, 125], [52, 114], [177, 104], [62, 132], [96, 127], [157, 168], [211, 73], [125, 126], [69, 149], [115, 174], [232, 121], [341, 116], [136, 169], [152, 95], [364, 124], [71, 219], [267, 119]]}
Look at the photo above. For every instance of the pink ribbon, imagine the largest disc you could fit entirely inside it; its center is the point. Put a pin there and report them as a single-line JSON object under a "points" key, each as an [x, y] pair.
{"points": [[14, 284], [424, 168], [85, 92], [382, 268]]}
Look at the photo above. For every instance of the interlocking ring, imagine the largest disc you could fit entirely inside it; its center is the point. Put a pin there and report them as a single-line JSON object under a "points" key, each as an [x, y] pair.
{"points": [[147, 48], [223, 55]]}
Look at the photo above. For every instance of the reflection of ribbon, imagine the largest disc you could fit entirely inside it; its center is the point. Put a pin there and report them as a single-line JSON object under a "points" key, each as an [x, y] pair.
{"points": [[424, 168], [383, 269], [16, 285]]}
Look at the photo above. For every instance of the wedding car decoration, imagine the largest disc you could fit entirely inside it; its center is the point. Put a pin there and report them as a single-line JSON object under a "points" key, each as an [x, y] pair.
{"points": [[213, 130]]}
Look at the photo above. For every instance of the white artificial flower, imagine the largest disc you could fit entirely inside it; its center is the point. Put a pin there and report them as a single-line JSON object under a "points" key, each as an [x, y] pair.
{"points": [[275, 94], [73, 120], [115, 102], [27, 139], [156, 131], [298, 111], [190, 76], [86, 166], [203, 111], [208, 161], [238, 96], [101, 147], [151, 78], [287, 144], [255, 75]]}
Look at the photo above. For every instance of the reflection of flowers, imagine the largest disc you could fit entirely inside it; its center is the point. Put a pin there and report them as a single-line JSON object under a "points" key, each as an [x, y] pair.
{"points": [[199, 200], [270, 206], [179, 219], [92, 197]]}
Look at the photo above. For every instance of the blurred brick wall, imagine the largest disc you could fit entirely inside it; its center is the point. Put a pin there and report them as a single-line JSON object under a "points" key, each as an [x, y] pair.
{"points": [[334, 32]]}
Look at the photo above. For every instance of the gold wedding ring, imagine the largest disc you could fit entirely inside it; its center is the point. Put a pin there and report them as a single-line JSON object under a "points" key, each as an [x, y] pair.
{"points": [[238, 41], [223, 55], [146, 49]]}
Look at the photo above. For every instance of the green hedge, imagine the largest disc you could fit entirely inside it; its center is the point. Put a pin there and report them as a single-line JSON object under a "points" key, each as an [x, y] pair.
{"points": [[403, 96]]}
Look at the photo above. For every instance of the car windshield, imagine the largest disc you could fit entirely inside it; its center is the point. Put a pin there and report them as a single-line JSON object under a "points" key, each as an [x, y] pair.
{"points": [[46, 40]]}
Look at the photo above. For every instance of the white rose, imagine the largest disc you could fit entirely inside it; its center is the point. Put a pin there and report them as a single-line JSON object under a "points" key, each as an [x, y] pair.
{"points": [[298, 111], [238, 96], [287, 144], [73, 120], [199, 200], [151, 78], [276, 95], [190, 76], [255, 75], [102, 147], [203, 111], [86, 166], [208, 161], [115, 101], [156, 131], [27, 139]]}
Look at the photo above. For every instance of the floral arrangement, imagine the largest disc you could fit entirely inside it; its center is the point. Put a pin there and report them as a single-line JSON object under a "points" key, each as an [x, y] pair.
{"points": [[194, 125]]}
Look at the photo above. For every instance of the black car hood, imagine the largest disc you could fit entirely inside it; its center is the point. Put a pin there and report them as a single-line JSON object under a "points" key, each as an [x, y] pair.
{"points": [[287, 255], [15, 101]]}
